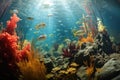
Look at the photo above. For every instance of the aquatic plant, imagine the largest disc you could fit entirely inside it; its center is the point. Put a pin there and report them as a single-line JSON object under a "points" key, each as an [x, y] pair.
{"points": [[71, 50], [32, 68]]}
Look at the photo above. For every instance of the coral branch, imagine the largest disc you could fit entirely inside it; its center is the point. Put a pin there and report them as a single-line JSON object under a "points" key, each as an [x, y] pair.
{"points": [[12, 24]]}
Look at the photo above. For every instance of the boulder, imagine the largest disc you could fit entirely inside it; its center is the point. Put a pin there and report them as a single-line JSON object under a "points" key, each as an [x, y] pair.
{"points": [[110, 70]]}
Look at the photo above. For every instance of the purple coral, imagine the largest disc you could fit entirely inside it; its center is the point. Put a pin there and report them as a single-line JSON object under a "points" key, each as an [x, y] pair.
{"points": [[71, 50]]}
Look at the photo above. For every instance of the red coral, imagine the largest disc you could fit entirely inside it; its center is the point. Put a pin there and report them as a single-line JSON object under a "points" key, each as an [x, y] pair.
{"points": [[8, 47], [9, 50], [24, 53], [12, 24]]}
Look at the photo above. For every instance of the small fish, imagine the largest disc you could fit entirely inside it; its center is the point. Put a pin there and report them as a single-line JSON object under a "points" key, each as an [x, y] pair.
{"points": [[36, 32], [42, 37], [59, 21], [41, 25], [47, 4], [30, 18], [61, 24], [78, 33], [58, 30], [46, 45], [65, 30], [31, 29], [14, 11], [49, 15], [51, 35]]}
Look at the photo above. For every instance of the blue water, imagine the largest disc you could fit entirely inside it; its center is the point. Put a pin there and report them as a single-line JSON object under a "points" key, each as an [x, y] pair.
{"points": [[64, 15]]}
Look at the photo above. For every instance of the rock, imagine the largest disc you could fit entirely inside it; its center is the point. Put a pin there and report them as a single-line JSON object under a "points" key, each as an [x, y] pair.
{"points": [[84, 54], [81, 73], [104, 43], [116, 78], [110, 70], [78, 58], [101, 60], [49, 65], [65, 66], [115, 56]]}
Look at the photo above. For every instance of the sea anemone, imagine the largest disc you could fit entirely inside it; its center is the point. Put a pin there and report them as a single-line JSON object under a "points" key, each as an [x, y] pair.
{"points": [[71, 50]]}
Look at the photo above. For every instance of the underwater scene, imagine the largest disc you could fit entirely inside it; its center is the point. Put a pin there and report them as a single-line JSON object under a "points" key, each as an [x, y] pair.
{"points": [[59, 39]]}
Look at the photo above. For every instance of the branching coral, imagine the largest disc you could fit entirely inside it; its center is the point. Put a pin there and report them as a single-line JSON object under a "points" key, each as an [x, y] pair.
{"points": [[89, 38], [33, 68], [91, 68], [8, 47], [9, 50], [12, 24], [8, 41], [10, 53]]}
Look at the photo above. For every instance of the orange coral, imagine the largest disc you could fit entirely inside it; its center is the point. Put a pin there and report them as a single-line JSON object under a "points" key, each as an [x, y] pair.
{"points": [[33, 68], [89, 38], [91, 69]]}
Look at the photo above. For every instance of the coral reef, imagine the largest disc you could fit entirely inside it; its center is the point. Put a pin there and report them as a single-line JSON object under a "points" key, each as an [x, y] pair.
{"points": [[93, 57]]}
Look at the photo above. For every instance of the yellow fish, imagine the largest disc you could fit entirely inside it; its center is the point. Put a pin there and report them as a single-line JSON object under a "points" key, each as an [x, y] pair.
{"points": [[41, 25], [79, 33]]}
